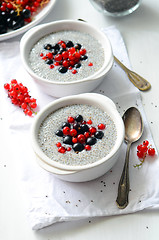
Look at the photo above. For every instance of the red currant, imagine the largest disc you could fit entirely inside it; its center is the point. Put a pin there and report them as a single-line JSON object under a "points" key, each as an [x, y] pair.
{"points": [[74, 140], [87, 147], [101, 126], [70, 119], [92, 130], [58, 144], [89, 122], [140, 154], [81, 138], [61, 150], [151, 151], [66, 130], [73, 132], [145, 143]]}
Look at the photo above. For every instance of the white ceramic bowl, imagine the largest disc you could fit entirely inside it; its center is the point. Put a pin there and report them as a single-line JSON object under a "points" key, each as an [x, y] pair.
{"points": [[85, 172], [56, 88]]}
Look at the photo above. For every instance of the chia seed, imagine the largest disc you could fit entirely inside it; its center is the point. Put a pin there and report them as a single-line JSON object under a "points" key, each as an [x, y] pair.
{"points": [[116, 6], [47, 139], [94, 50]]}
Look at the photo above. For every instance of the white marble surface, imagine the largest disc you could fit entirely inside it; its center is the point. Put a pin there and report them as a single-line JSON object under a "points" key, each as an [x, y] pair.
{"points": [[140, 31]]}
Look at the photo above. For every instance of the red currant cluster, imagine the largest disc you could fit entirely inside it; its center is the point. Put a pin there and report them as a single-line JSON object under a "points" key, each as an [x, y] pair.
{"points": [[143, 150], [19, 96], [15, 14], [78, 135], [66, 55]]}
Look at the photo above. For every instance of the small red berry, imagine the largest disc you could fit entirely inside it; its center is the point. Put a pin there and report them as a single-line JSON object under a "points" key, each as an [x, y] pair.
{"points": [[70, 119], [151, 151], [140, 154], [87, 147], [61, 150], [89, 122], [58, 144], [92, 130], [73, 132], [101, 126], [81, 138], [74, 140], [90, 64], [68, 149], [139, 147], [145, 143], [87, 134], [7, 86], [66, 130], [74, 71]]}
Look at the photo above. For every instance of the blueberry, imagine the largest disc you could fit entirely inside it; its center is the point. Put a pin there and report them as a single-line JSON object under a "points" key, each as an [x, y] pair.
{"points": [[18, 23], [69, 44], [79, 118], [62, 69], [78, 46], [78, 147], [99, 134], [67, 140], [84, 128], [56, 47], [83, 57], [48, 46], [49, 61], [77, 65], [26, 13], [59, 133], [91, 141], [66, 124]]}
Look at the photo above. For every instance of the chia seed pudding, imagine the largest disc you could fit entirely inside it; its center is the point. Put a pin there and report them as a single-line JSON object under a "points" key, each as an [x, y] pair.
{"points": [[88, 63], [93, 117]]}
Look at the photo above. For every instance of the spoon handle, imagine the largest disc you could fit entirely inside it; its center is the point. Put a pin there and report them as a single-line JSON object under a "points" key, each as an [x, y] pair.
{"points": [[124, 187], [139, 82]]}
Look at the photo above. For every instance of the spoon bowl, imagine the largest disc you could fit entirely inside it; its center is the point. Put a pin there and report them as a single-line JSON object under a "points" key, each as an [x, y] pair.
{"points": [[133, 131]]}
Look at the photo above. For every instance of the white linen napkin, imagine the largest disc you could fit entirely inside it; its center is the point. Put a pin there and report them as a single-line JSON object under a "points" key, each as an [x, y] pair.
{"points": [[48, 199]]}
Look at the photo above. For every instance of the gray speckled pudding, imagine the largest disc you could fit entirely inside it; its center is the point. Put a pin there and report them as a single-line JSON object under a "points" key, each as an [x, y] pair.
{"points": [[47, 138], [94, 50]]}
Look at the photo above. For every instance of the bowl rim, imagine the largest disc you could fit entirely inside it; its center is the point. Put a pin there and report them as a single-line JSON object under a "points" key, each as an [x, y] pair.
{"points": [[97, 100], [33, 32]]}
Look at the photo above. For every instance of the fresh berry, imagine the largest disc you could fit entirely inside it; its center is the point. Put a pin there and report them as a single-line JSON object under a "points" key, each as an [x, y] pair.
{"points": [[146, 143], [61, 69], [67, 140], [61, 149], [59, 133], [91, 141], [92, 130], [74, 140], [78, 147], [58, 144], [101, 126], [73, 132], [70, 119], [87, 147], [89, 122], [79, 118], [66, 124], [81, 138], [66, 130], [99, 134], [151, 151]]}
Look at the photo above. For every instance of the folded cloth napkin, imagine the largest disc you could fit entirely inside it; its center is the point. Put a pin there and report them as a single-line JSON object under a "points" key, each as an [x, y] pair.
{"points": [[48, 199]]}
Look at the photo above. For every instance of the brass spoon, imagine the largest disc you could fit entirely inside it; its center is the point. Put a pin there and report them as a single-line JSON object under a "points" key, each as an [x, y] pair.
{"points": [[139, 82], [133, 131]]}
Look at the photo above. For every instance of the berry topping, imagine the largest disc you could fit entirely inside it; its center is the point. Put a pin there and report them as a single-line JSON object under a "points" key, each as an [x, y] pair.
{"points": [[91, 141], [101, 126], [67, 140], [78, 133], [99, 134], [81, 138], [66, 130], [78, 147], [79, 118]]}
